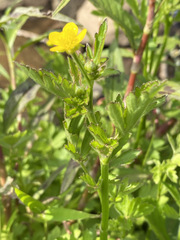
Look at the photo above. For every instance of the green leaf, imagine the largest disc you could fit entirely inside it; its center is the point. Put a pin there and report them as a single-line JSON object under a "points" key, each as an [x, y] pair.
{"points": [[99, 42], [48, 182], [56, 85], [34, 205], [134, 7], [18, 99], [114, 10], [172, 89], [135, 207], [54, 233], [126, 157], [88, 180], [30, 42], [4, 73], [172, 143], [116, 114], [140, 207], [64, 214], [173, 190], [157, 224], [137, 105], [14, 140], [109, 72], [43, 112], [99, 134], [74, 71], [12, 28], [101, 149], [32, 12], [89, 51], [60, 6], [69, 176], [170, 212], [85, 146]]}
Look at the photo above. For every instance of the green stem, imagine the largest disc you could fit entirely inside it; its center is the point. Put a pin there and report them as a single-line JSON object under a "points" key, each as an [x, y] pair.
{"points": [[10, 62], [79, 63], [90, 114], [139, 131], [84, 168], [104, 201], [166, 36]]}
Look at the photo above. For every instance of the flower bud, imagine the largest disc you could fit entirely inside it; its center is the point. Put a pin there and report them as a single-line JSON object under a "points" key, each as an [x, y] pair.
{"points": [[90, 66]]}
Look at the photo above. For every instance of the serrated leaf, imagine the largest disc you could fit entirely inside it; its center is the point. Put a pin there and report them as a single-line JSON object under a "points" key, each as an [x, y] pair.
{"points": [[56, 85], [18, 99], [126, 21], [99, 134], [99, 42], [35, 205], [101, 149], [139, 207], [88, 180], [137, 105], [46, 79], [116, 114], [72, 149], [134, 7]]}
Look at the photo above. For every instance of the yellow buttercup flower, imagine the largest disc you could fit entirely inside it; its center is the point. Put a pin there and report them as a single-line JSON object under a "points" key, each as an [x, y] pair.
{"points": [[68, 40]]}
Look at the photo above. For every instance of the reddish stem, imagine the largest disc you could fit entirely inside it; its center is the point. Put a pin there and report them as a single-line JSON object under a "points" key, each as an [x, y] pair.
{"points": [[139, 53]]}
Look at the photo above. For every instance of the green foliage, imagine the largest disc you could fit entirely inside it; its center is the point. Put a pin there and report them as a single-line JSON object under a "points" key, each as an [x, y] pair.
{"points": [[125, 116], [125, 20], [76, 165], [64, 214], [23, 94], [34, 205]]}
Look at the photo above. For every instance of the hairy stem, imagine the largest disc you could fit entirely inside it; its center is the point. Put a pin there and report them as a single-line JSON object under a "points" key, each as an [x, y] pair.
{"points": [[138, 55]]}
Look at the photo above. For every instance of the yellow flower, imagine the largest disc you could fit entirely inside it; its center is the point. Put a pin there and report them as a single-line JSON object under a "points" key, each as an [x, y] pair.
{"points": [[68, 40]]}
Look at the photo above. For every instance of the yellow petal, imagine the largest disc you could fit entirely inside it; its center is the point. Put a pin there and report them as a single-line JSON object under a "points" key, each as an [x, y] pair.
{"points": [[58, 49], [55, 38], [81, 35], [70, 28]]}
